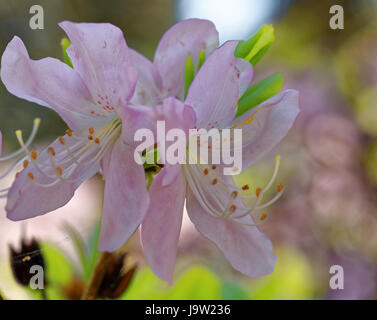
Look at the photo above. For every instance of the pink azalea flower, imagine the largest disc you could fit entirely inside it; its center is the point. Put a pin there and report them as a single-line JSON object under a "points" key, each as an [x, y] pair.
{"points": [[91, 99], [220, 210]]}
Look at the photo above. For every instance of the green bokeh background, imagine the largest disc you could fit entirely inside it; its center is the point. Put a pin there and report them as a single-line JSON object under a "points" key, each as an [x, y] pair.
{"points": [[336, 73]]}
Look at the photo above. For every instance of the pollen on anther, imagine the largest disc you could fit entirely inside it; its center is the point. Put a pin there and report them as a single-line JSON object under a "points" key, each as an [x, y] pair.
{"points": [[59, 170], [213, 167], [263, 216], [206, 171], [245, 187], [258, 191], [34, 155], [26, 258], [52, 151], [69, 133], [232, 208], [214, 181], [91, 130], [96, 140], [30, 175], [280, 187], [26, 163], [61, 140], [90, 137]]}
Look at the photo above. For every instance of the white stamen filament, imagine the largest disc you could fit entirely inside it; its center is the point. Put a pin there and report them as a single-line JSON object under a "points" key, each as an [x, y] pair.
{"points": [[101, 141], [229, 210], [34, 131], [18, 153]]}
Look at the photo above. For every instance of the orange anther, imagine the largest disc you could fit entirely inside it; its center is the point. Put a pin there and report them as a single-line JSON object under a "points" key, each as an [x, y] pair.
{"points": [[69, 132], [258, 191], [31, 176], [61, 140], [213, 167], [26, 163], [59, 170], [91, 130], [214, 181], [234, 194], [206, 171], [280, 187], [263, 216], [232, 208], [34, 155], [90, 137], [26, 258], [96, 140], [245, 187], [51, 150]]}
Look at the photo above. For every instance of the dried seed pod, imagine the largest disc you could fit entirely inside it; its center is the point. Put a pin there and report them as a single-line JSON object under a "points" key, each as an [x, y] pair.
{"points": [[116, 280], [24, 259]]}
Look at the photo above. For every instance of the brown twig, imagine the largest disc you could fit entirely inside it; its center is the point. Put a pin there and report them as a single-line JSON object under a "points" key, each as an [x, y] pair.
{"points": [[91, 290]]}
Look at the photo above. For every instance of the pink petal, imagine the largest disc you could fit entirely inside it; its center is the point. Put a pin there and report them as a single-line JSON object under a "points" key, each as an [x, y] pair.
{"points": [[173, 112], [216, 88], [246, 75], [247, 249], [186, 37], [48, 82], [270, 125], [162, 224], [126, 197], [27, 200], [149, 83], [99, 53]]}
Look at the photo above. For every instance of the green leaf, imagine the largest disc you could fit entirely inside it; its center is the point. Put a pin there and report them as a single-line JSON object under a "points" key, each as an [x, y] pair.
{"points": [[78, 242], [260, 92], [65, 44], [292, 278], [93, 253], [231, 291], [255, 48], [197, 283], [189, 73], [201, 59], [59, 269]]}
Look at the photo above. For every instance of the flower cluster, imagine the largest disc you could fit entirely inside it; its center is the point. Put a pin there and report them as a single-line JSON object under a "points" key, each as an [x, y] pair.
{"points": [[109, 93]]}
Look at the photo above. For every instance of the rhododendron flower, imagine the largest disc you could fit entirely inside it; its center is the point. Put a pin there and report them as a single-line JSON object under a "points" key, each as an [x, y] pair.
{"points": [[221, 211], [90, 98]]}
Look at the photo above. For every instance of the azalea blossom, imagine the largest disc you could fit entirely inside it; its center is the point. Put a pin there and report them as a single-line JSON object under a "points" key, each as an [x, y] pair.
{"points": [[219, 209], [90, 98]]}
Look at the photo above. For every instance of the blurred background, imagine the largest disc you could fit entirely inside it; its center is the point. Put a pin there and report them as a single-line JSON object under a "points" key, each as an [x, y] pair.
{"points": [[328, 215]]}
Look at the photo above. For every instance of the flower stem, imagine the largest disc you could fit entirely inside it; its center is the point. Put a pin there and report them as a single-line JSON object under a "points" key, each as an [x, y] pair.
{"points": [[92, 288]]}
